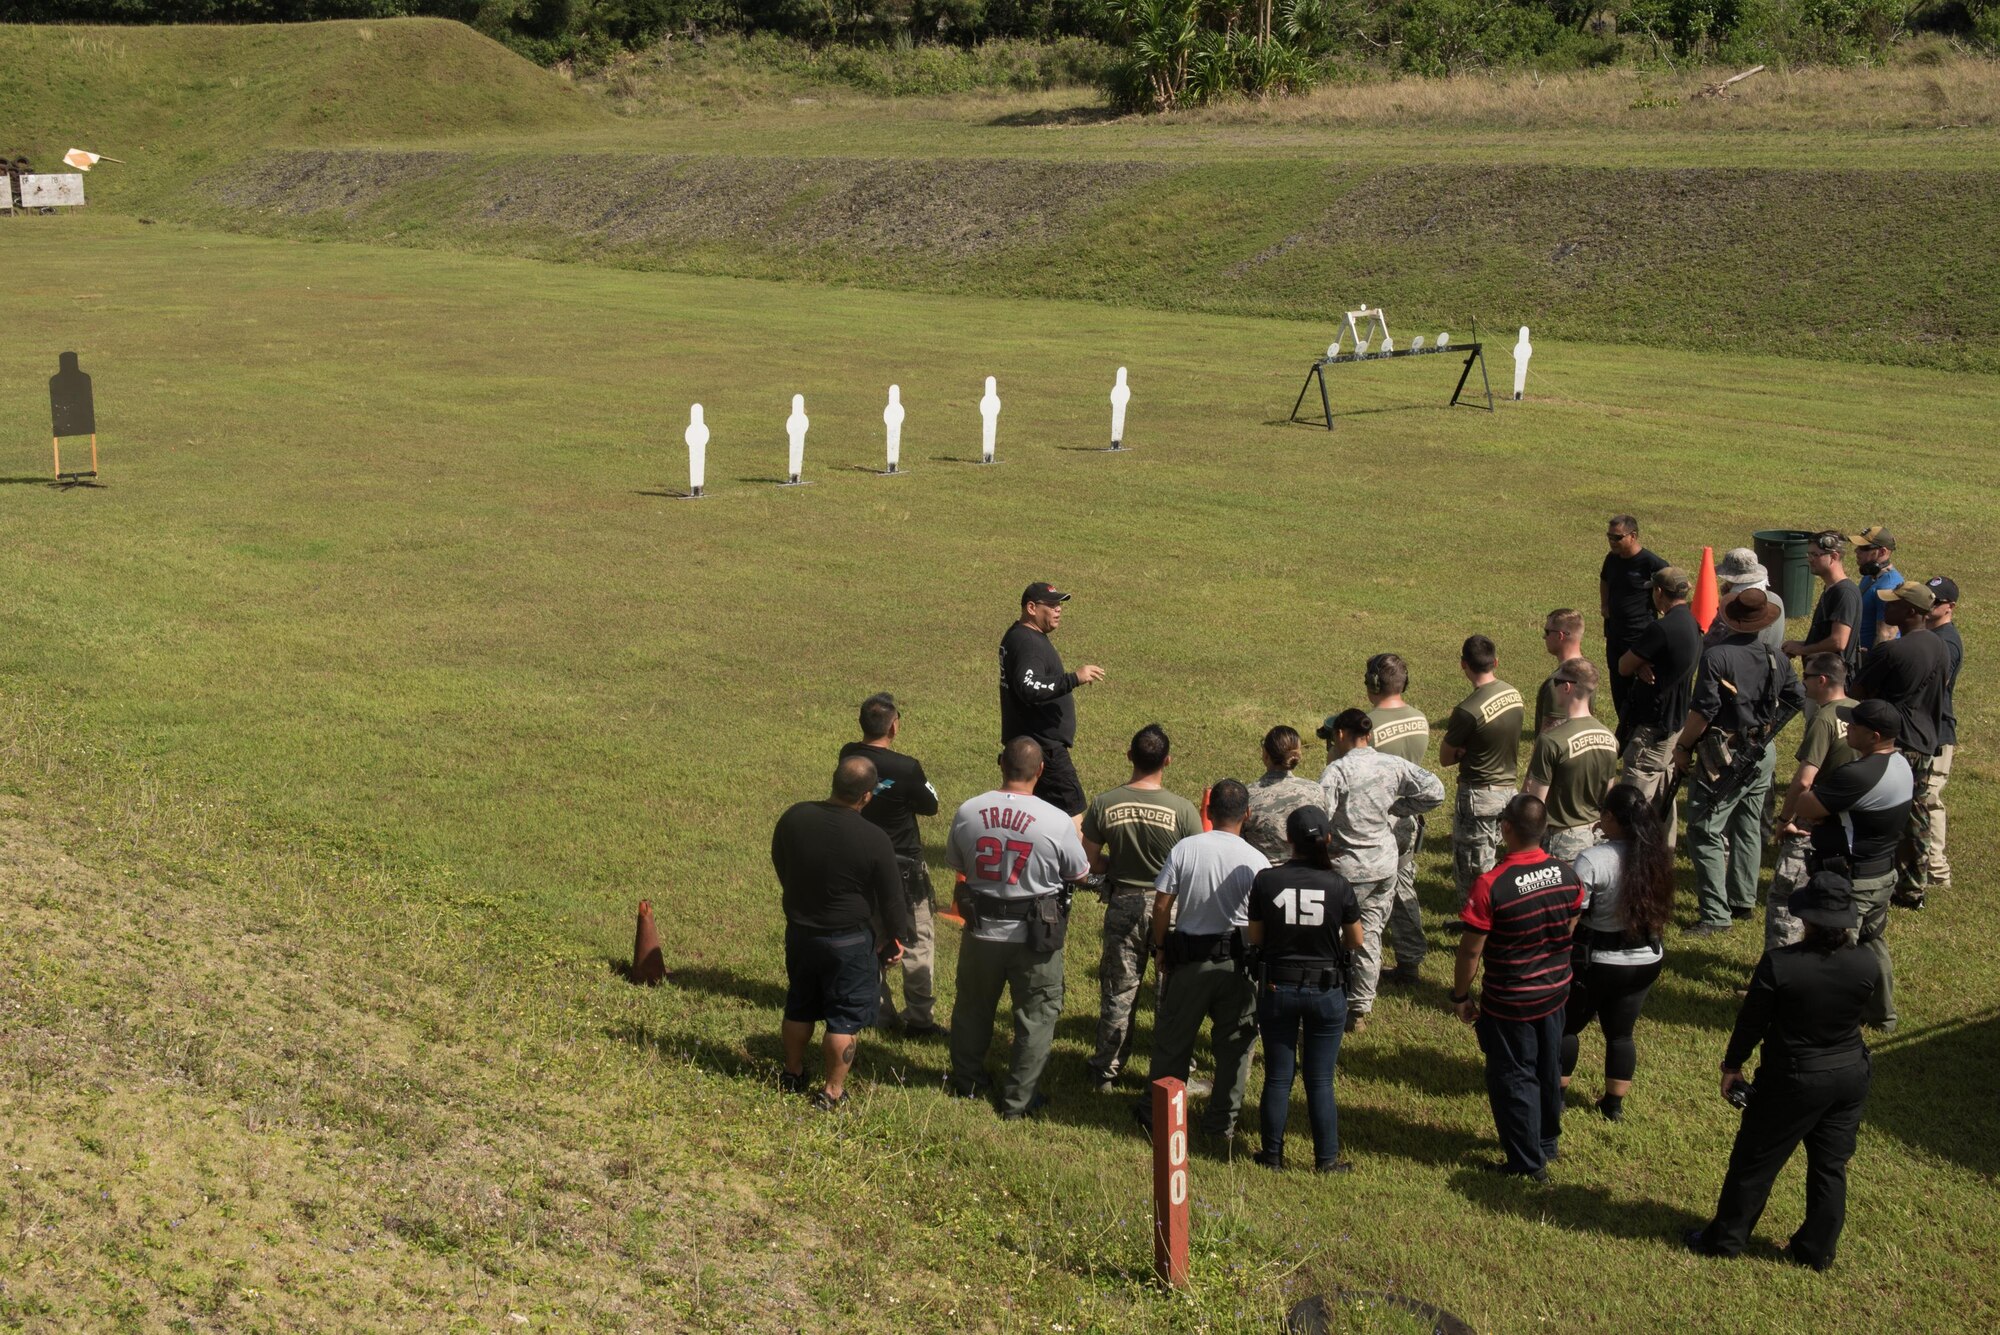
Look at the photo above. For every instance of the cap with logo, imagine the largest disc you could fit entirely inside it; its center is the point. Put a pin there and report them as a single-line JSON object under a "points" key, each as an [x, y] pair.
{"points": [[1041, 591], [1943, 589], [1672, 581], [1873, 536], [1878, 716], [1307, 822], [1828, 540], [1916, 595]]}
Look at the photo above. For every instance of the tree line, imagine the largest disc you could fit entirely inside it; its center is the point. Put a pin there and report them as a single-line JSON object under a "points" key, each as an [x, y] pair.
{"points": [[1168, 54]]}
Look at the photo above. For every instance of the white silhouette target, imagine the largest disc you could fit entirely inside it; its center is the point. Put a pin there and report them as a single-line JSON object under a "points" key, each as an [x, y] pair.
{"points": [[795, 428], [989, 419], [1121, 394], [892, 418], [696, 437], [1522, 351]]}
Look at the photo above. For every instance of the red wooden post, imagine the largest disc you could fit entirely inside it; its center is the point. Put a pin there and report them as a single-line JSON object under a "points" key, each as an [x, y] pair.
{"points": [[1170, 1183]]}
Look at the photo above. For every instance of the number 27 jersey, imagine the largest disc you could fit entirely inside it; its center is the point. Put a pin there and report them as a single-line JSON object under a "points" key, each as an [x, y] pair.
{"points": [[1303, 910]]}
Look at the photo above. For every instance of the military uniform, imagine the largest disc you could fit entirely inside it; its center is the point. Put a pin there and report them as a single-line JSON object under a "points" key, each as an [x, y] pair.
{"points": [[1368, 794], [1726, 825], [1824, 747], [1486, 726], [1017, 853], [1402, 730], [1575, 760], [1138, 828], [1273, 799]]}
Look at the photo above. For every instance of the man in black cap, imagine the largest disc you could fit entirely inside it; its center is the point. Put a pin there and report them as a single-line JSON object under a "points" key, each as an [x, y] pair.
{"points": [[1857, 814], [902, 794], [1943, 615], [1661, 665], [1913, 673], [1738, 690], [840, 878], [1804, 1005], [1035, 695]]}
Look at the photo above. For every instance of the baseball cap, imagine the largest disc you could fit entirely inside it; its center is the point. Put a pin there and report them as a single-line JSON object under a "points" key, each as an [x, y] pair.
{"points": [[1873, 536], [1916, 595], [1325, 730], [1672, 581], [1307, 822], [1041, 591], [1943, 589], [1828, 540], [1877, 716]]}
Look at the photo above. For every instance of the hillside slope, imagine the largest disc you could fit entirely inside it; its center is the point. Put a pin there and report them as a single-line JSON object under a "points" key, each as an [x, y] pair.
{"points": [[153, 95]]}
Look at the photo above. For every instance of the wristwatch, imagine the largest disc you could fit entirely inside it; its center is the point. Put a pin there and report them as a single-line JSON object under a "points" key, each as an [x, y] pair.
{"points": [[1460, 998]]}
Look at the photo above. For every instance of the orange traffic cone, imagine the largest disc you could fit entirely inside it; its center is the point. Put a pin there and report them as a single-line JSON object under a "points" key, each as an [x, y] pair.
{"points": [[950, 913], [648, 965], [1206, 823], [1706, 600]]}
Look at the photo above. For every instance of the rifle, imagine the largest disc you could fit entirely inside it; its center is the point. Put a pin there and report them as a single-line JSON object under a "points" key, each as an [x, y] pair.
{"points": [[1749, 753]]}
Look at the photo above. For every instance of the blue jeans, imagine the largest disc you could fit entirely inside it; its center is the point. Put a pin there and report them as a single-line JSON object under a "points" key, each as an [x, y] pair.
{"points": [[1284, 1013]]}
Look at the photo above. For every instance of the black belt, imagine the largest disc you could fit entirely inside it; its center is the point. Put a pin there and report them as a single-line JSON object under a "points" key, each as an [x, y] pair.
{"points": [[1190, 948], [1881, 866], [1326, 978], [994, 909], [838, 939]]}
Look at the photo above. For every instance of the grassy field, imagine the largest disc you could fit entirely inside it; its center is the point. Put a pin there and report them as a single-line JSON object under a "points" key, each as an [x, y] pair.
{"points": [[1851, 214], [342, 728]]}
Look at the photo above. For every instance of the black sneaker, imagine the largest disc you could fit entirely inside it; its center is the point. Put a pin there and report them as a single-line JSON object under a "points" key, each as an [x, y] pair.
{"points": [[1701, 929], [1403, 975], [1502, 1169], [1275, 1162], [826, 1102], [929, 1031], [1908, 899], [1334, 1166], [1743, 915], [1696, 1241], [791, 1084]]}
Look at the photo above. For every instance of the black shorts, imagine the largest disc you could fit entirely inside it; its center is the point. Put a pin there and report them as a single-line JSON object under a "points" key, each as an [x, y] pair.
{"points": [[832, 978], [1059, 785]]}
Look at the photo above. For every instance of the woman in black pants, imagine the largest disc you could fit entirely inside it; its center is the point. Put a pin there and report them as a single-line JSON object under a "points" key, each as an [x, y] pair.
{"points": [[1629, 882]]}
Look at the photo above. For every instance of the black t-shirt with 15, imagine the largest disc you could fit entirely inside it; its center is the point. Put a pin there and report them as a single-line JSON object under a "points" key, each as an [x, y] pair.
{"points": [[1303, 910]]}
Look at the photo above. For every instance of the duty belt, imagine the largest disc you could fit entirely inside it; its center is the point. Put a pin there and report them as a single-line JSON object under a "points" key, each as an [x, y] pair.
{"points": [[994, 909], [1881, 866], [1189, 948], [1327, 979]]}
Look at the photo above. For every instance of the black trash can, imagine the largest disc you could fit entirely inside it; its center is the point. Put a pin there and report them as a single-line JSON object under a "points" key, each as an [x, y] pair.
{"points": [[1783, 553]]}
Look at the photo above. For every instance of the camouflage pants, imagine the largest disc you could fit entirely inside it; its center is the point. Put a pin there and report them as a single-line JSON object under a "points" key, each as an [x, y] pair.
{"points": [[1780, 927], [1566, 844], [1406, 915], [1913, 855], [1128, 926], [1648, 766], [1376, 899], [1475, 833]]}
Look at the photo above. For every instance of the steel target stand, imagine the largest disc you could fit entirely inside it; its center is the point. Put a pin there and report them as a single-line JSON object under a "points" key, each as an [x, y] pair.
{"points": [[1475, 352]]}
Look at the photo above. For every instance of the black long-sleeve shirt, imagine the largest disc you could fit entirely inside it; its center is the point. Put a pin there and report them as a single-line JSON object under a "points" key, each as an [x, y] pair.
{"points": [[1746, 664], [1035, 698], [839, 872], [1805, 1005]]}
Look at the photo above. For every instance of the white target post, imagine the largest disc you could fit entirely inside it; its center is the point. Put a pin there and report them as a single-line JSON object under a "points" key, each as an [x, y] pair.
{"points": [[989, 420], [795, 429], [1121, 394], [696, 437], [1170, 1182], [892, 420], [1522, 351]]}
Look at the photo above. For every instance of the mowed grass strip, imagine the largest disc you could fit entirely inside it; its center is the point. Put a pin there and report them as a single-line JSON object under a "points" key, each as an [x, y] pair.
{"points": [[382, 575]]}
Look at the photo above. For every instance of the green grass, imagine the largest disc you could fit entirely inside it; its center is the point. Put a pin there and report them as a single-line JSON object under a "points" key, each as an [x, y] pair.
{"points": [[344, 726]]}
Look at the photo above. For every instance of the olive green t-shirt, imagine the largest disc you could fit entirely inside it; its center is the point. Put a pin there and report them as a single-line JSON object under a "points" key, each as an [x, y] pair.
{"points": [[1138, 828], [1825, 742], [1548, 709], [1401, 731], [1577, 759], [1487, 727]]}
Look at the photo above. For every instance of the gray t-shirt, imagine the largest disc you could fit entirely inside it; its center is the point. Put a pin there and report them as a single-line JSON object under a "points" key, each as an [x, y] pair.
{"points": [[1367, 793], [1013, 846], [1209, 877], [1599, 868]]}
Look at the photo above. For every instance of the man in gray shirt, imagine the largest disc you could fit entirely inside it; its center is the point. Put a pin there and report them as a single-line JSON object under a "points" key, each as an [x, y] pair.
{"points": [[1018, 854], [1204, 890], [1367, 793]]}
